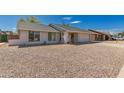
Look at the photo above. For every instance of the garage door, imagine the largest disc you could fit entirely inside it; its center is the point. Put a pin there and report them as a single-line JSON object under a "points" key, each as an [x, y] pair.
{"points": [[83, 37]]}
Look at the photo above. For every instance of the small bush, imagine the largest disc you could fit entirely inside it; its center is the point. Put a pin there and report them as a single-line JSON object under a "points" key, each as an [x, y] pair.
{"points": [[3, 38]]}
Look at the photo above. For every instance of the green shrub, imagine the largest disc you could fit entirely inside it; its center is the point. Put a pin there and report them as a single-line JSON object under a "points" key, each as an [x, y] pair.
{"points": [[3, 38]]}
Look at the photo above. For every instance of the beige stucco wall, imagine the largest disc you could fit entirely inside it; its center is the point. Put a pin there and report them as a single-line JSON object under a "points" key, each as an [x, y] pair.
{"points": [[82, 37], [66, 37], [14, 42], [103, 37], [24, 38], [92, 37]]}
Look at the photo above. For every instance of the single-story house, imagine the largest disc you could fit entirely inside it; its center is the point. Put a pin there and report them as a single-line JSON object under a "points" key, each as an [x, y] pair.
{"points": [[98, 36], [33, 33], [70, 34]]}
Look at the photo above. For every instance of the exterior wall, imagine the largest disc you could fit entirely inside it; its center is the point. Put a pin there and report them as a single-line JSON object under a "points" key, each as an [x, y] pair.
{"points": [[24, 38], [103, 37], [78, 37], [95, 36], [66, 37], [92, 37], [83, 37], [14, 42], [44, 37], [72, 37]]}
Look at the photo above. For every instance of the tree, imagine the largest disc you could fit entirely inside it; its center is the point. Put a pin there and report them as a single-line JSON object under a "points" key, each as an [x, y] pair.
{"points": [[32, 19], [22, 20], [114, 34], [121, 34]]}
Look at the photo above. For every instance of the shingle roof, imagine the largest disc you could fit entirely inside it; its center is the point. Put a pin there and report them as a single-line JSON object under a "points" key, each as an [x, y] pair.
{"points": [[68, 28], [34, 27], [57, 27], [97, 31]]}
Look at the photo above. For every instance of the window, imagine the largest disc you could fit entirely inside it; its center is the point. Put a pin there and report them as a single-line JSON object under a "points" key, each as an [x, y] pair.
{"points": [[52, 36], [34, 36], [49, 36]]}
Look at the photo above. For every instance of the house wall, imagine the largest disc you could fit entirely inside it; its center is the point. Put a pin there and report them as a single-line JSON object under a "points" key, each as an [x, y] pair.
{"points": [[66, 37], [44, 37], [83, 37], [14, 42], [76, 37], [72, 37], [92, 37], [97, 36], [24, 38]]}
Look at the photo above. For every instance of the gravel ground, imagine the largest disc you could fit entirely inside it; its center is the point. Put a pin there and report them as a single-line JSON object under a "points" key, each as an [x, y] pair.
{"points": [[114, 42], [61, 61]]}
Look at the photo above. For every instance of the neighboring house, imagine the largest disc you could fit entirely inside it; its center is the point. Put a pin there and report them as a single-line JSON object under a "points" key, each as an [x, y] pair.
{"points": [[33, 33], [6, 32], [99, 36]]}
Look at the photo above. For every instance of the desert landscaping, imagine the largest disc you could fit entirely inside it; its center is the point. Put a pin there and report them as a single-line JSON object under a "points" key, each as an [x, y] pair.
{"points": [[61, 61]]}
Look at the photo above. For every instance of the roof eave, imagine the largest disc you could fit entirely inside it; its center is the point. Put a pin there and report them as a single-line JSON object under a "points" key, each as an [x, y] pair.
{"points": [[36, 30]]}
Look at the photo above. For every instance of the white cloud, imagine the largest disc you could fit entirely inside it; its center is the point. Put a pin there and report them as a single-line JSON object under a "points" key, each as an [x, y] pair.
{"points": [[75, 22], [67, 18]]}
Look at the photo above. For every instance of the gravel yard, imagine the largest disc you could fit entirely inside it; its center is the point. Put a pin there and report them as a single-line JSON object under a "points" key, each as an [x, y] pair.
{"points": [[86, 60]]}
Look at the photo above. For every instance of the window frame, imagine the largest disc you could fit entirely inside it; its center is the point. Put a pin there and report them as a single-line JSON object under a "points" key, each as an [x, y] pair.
{"points": [[52, 36], [34, 36]]}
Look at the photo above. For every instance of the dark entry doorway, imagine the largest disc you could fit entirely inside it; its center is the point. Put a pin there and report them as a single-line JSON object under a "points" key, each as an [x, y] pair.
{"points": [[72, 37]]}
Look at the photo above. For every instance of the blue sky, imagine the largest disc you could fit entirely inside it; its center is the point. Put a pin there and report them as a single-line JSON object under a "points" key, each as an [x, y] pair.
{"points": [[111, 23]]}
